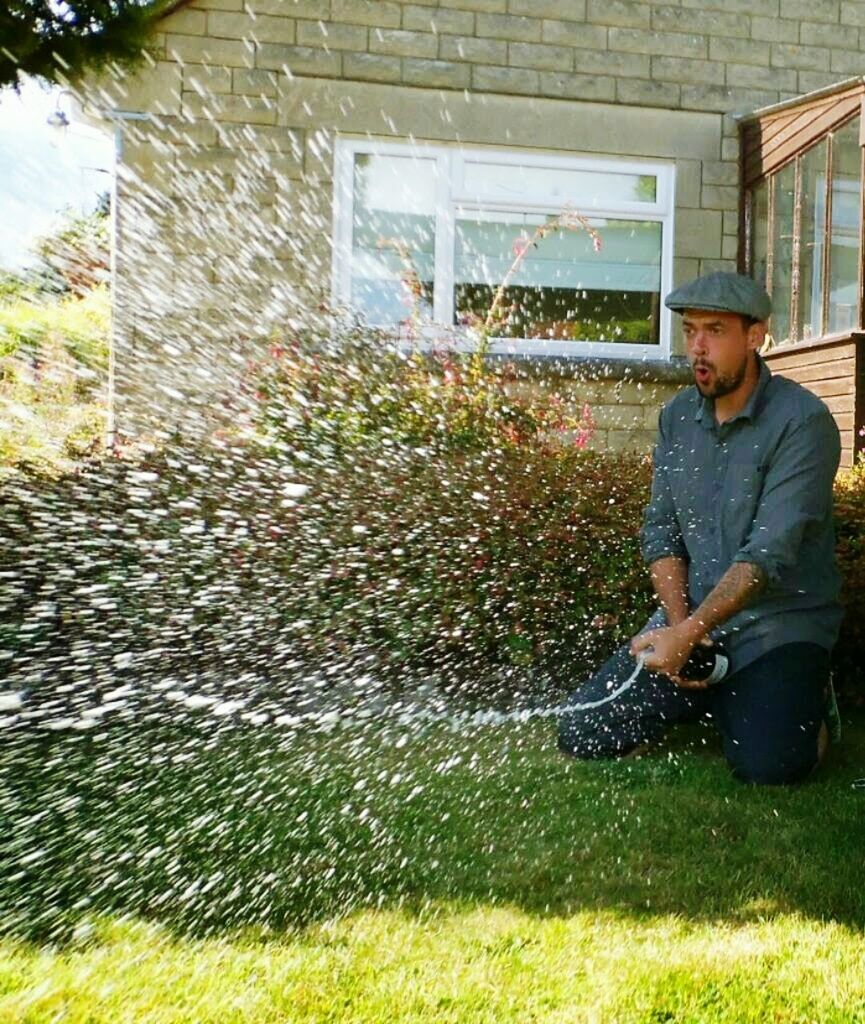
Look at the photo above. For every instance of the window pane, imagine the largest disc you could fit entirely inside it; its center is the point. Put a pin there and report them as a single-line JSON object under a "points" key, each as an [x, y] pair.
{"points": [[394, 198], [559, 184], [782, 253], [759, 231], [812, 228], [563, 289], [844, 238]]}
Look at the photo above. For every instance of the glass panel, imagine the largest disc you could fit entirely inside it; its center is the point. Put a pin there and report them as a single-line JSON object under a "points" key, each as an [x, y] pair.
{"points": [[782, 253], [844, 237], [394, 198], [812, 233], [760, 231], [563, 289], [559, 184]]}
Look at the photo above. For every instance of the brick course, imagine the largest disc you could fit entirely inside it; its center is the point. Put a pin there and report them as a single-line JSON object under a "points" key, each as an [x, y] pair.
{"points": [[772, 47], [237, 170]]}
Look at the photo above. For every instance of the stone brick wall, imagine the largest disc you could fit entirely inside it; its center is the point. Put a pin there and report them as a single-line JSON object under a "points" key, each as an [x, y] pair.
{"points": [[226, 194], [698, 55], [624, 411]]}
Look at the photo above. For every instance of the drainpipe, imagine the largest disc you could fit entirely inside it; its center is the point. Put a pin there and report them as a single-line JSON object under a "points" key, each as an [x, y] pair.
{"points": [[118, 117]]}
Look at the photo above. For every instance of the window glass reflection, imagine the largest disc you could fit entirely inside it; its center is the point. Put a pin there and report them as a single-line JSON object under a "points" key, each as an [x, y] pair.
{"points": [[394, 198], [782, 253], [811, 242], [563, 290], [844, 229]]}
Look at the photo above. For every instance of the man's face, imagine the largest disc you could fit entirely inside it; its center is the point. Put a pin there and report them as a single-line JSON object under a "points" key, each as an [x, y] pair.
{"points": [[719, 348]]}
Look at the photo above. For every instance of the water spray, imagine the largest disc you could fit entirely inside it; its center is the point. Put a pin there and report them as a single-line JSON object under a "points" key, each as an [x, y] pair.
{"points": [[709, 665]]}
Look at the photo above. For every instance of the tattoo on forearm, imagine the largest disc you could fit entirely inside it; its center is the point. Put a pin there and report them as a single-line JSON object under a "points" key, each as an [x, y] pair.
{"points": [[736, 589], [741, 574]]}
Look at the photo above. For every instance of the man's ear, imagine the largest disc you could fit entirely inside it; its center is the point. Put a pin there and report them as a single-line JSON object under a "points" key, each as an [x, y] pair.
{"points": [[757, 335]]}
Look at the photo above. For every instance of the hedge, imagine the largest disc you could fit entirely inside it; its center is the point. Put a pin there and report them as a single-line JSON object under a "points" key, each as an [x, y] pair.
{"points": [[53, 378], [372, 514], [230, 561], [496, 572]]}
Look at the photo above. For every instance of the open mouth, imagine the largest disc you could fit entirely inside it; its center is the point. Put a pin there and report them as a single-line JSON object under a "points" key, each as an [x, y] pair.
{"points": [[702, 374]]}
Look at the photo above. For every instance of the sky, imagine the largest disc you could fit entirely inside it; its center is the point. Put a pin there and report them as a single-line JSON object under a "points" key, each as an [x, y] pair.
{"points": [[45, 170]]}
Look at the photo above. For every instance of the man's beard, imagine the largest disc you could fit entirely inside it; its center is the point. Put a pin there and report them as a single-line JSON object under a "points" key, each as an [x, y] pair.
{"points": [[723, 384]]}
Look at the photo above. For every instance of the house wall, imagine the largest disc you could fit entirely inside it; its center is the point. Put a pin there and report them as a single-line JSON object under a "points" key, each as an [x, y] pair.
{"points": [[225, 196]]}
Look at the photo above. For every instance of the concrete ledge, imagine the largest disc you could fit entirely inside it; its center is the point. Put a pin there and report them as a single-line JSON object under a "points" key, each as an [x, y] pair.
{"points": [[674, 371]]}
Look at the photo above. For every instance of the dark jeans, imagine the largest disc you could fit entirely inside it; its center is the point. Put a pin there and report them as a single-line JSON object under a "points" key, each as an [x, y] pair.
{"points": [[769, 713]]}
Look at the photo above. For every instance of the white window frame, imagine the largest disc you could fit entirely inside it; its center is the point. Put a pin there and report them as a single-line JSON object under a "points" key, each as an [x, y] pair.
{"points": [[451, 195]]}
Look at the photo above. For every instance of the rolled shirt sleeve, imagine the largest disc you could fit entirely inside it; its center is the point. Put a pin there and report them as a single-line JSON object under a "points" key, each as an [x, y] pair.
{"points": [[661, 536], [796, 496]]}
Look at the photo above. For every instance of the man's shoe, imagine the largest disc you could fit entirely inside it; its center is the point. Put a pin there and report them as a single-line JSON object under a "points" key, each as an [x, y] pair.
{"points": [[831, 716]]}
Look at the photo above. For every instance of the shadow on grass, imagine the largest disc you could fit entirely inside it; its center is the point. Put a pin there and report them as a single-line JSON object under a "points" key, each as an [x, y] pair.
{"points": [[208, 829]]}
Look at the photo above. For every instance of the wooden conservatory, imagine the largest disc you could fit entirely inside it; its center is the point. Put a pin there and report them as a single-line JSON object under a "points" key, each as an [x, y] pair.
{"points": [[801, 233]]}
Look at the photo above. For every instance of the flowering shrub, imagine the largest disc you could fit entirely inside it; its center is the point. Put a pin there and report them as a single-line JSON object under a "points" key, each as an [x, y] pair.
{"points": [[53, 375], [332, 389]]}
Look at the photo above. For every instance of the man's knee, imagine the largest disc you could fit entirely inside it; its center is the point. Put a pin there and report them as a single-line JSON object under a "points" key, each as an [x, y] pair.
{"points": [[770, 768], [585, 737], [772, 715]]}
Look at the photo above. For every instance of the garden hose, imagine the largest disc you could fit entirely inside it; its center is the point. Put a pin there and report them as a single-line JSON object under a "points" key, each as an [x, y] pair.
{"points": [[626, 685]]}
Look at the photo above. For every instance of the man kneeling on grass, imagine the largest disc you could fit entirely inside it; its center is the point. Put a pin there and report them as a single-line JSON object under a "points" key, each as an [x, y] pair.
{"points": [[740, 543]]}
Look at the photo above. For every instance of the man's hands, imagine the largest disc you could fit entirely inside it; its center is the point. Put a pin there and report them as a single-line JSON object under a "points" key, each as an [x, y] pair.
{"points": [[741, 584], [667, 649]]}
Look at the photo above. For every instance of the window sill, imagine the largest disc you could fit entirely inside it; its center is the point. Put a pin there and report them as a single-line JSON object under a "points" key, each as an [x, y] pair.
{"points": [[585, 360], [672, 370]]}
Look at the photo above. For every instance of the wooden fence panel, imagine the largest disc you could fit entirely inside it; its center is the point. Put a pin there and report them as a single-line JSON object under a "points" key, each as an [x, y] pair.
{"points": [[831, 372]]}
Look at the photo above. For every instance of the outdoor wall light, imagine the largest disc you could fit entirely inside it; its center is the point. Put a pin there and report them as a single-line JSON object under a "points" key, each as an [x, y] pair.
{"points": [[58, 119]]}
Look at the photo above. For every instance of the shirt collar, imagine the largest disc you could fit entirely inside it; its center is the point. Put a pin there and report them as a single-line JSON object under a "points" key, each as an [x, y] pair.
{"points": [[706, 406]]}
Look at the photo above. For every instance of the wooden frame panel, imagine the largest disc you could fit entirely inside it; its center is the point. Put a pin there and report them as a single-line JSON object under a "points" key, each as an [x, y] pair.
{"points": [[827, 236], [768, 142]]}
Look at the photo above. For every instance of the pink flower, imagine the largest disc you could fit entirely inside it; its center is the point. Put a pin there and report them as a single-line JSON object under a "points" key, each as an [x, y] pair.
{"points": [[596, 243], [605, 621], [521, 245]]}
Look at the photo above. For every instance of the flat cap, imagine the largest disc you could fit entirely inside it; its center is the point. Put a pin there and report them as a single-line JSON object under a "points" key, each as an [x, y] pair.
{"points": [[724, 292]]}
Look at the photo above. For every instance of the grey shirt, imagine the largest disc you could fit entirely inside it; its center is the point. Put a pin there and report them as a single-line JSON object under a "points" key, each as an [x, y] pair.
{"points": [[757, 488]]}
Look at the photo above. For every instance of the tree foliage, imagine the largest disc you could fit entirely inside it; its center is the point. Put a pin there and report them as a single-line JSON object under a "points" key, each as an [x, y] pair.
{"points": [[59, 41]]}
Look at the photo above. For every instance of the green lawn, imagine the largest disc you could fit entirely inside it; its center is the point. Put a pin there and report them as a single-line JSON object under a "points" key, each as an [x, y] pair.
{"points": [[199, 874]]}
